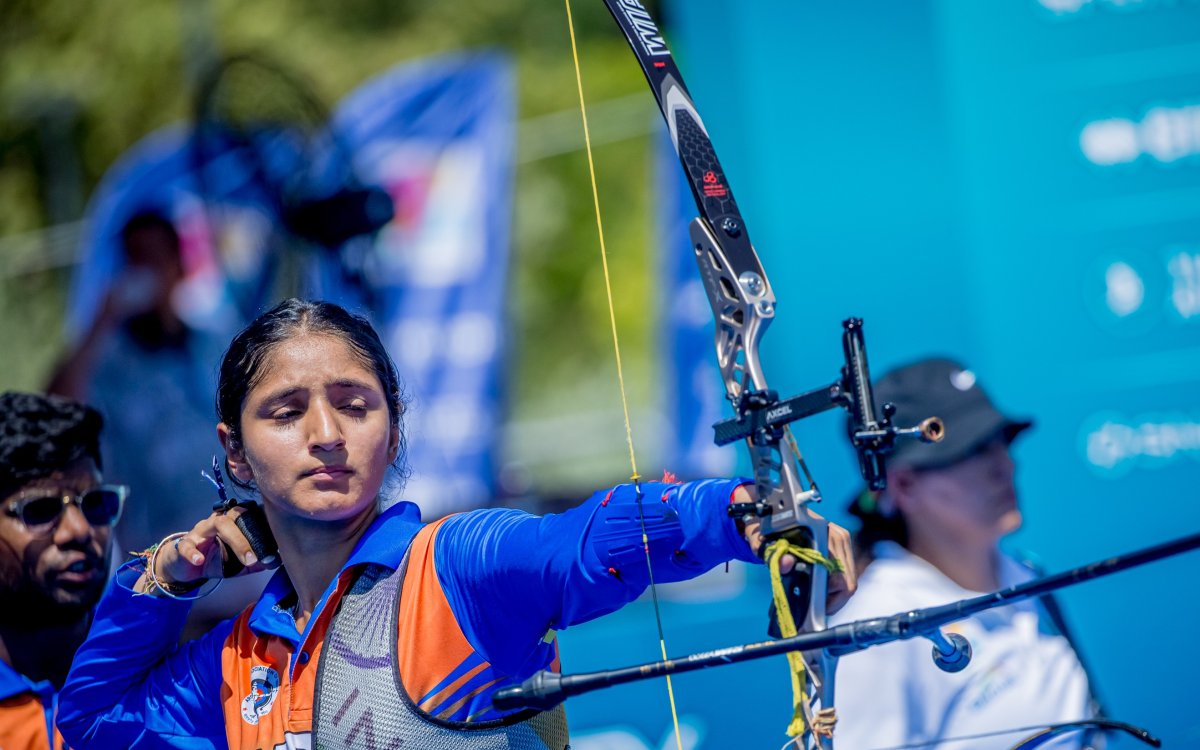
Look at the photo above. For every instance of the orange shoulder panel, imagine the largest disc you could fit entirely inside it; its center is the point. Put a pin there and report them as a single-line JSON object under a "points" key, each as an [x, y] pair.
{"points": [[23, 724], [431, 643]]}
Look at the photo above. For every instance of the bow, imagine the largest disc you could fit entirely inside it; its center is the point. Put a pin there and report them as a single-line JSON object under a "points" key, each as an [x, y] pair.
{"points": [[743, 305]]}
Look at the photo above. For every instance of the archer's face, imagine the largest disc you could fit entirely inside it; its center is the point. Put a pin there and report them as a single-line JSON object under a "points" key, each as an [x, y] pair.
{"points": [[317, 439], [974, 499], [63, 564]]}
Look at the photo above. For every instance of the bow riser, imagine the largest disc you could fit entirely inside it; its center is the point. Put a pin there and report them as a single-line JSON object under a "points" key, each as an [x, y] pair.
{"points": [[743, 307]]}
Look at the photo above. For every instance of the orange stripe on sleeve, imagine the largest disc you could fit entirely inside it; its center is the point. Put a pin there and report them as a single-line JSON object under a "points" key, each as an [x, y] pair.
{"points": [[431, 702], [449, 710]]}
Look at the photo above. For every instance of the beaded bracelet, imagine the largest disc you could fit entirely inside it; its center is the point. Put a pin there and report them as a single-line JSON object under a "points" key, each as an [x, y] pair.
{"points": [[175, 590]]}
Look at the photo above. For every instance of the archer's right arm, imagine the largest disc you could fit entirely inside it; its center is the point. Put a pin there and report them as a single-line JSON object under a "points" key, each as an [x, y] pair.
{"points": [[130, 681]]}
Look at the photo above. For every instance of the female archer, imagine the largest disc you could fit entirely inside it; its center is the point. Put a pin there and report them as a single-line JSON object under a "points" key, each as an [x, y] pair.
{"points": [[377, 630]]}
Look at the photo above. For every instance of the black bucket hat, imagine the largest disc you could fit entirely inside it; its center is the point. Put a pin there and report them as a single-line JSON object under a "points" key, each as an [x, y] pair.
{"points": [[943, 388]]}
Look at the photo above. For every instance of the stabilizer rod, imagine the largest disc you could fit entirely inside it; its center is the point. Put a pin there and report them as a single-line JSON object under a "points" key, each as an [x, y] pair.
{"points": [[547, 689]]}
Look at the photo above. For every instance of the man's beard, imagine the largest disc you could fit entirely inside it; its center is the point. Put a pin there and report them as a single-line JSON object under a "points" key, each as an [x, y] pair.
{"points": [[29, 607]]}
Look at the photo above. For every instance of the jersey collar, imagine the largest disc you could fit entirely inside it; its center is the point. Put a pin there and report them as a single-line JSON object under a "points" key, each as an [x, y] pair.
{"points": [[384, 543]]}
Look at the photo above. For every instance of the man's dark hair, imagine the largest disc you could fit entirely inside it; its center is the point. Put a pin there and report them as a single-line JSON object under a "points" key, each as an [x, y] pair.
{"points": [[43, 434]]}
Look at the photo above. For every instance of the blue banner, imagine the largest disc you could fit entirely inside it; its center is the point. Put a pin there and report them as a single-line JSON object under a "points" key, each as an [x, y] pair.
{"points": [[438, 136]]}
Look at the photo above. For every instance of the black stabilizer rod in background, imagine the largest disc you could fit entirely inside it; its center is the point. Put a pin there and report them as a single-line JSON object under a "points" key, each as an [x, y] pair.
{"points": [[546, 690]]}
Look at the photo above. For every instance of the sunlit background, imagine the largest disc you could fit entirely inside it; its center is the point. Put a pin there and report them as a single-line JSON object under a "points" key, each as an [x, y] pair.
{"points": [[1014, 183]]}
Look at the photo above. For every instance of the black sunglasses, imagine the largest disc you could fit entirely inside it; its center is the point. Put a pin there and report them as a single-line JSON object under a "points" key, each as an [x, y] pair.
{"points": [[101, 506]]}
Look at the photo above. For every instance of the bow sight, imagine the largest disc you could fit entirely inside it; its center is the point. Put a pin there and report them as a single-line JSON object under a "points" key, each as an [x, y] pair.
{"points": [[761, 418]]}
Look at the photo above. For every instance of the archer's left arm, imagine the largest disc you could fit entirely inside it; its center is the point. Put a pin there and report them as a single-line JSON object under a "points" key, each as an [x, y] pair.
{"points": [[510, 576]]}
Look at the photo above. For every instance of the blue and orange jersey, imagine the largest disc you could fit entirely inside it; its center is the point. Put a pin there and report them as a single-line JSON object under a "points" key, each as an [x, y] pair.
{"points": [[482, 595], [27, 713]]}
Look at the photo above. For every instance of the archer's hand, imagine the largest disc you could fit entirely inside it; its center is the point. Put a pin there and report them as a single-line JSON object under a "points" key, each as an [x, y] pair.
{"points": [[841, 585], [201, 553]]}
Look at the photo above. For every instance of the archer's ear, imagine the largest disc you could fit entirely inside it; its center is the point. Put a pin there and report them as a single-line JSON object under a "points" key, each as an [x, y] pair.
{"points": [[394, 444], [901, 481], [235, 457]]}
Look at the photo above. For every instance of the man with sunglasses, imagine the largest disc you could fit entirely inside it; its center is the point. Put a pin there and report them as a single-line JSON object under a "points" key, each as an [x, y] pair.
{"points": [[56, 519], [931, 538]]}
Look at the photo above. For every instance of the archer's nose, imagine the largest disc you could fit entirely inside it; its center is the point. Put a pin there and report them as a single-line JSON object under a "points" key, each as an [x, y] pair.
{"points": [[325, 430]]}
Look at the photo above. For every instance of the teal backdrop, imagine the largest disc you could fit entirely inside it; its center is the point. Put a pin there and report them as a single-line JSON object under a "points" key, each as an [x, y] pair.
{"points": [[1015, 183]]}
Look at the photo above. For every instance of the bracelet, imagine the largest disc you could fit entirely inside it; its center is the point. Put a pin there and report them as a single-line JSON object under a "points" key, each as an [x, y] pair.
{"points": [[175, 590]]}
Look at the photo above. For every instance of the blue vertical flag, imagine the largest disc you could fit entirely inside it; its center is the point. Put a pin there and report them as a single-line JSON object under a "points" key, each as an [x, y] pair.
{"points": [[438, 136]]}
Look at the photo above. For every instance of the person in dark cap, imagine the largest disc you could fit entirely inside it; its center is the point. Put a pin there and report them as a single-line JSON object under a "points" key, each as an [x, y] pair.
{"points": [[930, 538], [56, 519], [952, 500]]}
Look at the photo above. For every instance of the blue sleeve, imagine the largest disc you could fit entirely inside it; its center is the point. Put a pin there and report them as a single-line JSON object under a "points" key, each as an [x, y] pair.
{"points": [[510, 576], [130, 685]]}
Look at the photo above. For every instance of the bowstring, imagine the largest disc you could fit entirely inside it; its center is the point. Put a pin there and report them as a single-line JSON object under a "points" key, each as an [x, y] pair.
{"points": [[612, 317]]}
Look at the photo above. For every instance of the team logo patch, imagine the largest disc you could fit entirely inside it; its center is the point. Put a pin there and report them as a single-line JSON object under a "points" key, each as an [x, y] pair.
{"points": [[264, 686]]}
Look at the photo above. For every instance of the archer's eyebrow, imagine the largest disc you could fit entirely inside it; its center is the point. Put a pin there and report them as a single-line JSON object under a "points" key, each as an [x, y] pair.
{"points": [[281, 395], [354, 384], [285, 393]]}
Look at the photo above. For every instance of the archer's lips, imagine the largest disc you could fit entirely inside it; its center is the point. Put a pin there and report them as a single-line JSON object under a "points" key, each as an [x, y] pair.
{"points": [[334, 471]]}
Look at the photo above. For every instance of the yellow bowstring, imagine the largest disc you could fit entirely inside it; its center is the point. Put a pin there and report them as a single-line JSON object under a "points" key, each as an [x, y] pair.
{"points": [[612, 316], [787, 622]]}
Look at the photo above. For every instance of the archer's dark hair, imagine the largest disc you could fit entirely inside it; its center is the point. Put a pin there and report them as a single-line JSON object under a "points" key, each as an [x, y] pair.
{"points": [[875, 526], [40, 435], [244, 364]]}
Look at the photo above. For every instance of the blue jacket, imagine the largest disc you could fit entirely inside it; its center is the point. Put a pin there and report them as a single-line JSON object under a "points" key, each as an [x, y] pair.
{"points": [[483, 593]]}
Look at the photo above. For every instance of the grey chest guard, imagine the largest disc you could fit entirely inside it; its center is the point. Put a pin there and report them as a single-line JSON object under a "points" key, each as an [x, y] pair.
{"points": [[360, 701]]}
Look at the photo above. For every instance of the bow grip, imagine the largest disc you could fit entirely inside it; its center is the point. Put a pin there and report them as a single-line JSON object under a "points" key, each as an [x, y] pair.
{"points": [[797, 584], [252, 522]]}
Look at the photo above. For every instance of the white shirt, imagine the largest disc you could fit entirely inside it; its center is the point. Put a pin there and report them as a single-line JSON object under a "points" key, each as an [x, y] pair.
{"points": [[894, 694]]}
